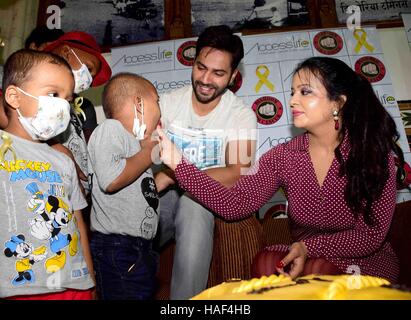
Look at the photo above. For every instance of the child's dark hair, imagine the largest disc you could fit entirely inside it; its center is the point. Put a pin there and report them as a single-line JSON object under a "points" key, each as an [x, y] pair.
{"points": [[371, 131], [222, 38], [18, 66]]}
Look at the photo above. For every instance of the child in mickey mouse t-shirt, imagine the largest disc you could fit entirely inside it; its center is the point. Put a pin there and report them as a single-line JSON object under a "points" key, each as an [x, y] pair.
{"points": [[45, 253], [124, 213]]}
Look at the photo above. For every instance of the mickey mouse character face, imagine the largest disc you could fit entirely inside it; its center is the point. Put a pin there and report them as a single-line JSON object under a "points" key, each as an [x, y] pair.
{"points": [[59, 211], [17, 247], [149, 190]]}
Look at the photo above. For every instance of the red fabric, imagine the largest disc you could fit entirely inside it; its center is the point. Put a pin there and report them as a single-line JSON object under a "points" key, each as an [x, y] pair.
{"points": [[69, 294], [320, 266], [264, 263]]}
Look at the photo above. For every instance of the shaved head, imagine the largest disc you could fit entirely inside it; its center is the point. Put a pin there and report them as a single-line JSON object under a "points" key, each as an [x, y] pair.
{"points": [[122, 88]]}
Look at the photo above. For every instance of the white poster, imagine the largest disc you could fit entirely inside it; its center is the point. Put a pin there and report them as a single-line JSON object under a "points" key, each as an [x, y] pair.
{"points": [[406, 18], [153, 57]]}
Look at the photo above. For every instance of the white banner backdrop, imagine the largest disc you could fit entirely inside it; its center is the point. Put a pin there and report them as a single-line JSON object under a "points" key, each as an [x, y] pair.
{"points": [[266, 72], [406, 18]]}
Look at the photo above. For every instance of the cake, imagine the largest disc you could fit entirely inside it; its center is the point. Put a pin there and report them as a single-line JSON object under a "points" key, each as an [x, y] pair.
{"points": [[312, 287]]}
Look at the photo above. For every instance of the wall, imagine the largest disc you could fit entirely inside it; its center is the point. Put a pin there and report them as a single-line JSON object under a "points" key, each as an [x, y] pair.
{"points": [[397, 55], [17, 19]]}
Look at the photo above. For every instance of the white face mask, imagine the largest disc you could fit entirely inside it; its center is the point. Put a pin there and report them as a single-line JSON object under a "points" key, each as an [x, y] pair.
{"points": [[138, 130], [52, 118], [82, 77]]}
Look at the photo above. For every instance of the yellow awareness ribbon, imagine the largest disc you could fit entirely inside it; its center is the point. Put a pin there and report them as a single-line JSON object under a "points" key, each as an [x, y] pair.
{"points": [[78, 102], [6, 146], [362, 40], [263, 78]]}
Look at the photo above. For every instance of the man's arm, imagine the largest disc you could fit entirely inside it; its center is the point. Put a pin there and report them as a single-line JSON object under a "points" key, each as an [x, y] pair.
{"points": [[239, 156], [135, 166]]}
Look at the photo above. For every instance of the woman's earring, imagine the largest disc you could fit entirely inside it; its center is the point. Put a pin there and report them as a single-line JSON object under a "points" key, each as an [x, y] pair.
{"points": [[336, 122]]}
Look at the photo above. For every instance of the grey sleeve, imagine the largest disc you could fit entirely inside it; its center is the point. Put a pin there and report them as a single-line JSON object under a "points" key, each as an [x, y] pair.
{"points": [[108, 154], [76, 198]]}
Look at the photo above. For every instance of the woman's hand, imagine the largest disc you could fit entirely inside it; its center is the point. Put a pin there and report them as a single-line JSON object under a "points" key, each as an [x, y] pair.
{"points": [[297, 257], [169, 153]]}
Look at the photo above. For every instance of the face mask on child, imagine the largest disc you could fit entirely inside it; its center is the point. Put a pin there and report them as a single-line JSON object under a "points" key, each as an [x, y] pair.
{"points": [[52, 118], [138, 130], [82, 77]]}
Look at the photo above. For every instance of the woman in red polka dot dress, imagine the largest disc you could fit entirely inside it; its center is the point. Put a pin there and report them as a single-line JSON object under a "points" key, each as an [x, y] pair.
{"points": [[339, 176]]}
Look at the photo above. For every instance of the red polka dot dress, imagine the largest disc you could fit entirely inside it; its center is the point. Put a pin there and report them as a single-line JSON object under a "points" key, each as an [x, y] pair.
{"points": [[318, 214]]}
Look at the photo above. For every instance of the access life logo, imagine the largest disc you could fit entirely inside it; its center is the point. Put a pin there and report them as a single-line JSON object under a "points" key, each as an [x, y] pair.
{"points": [[271, 142], [171, 80], [371, 68], [386, 100], [165, 86], [141, 59], [186, 53], [268, 110], [328, 42], [289, 44]]}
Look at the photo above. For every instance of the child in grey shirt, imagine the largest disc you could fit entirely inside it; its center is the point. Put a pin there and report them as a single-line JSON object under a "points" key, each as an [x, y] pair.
{"points": [[124, 213]]}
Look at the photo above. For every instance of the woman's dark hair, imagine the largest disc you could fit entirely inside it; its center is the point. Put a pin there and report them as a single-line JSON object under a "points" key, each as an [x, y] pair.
{"points": [[372, 133], [222, 38]]}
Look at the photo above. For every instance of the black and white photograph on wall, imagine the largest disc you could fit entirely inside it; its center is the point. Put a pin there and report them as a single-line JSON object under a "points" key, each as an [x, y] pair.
{"points": [[373, 10], [116, 22], [248, 14]]}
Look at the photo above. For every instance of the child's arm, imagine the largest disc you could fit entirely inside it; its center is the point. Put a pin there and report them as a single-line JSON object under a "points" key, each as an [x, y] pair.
{"points": [[164, 179], [135, 166], [81, 225]]}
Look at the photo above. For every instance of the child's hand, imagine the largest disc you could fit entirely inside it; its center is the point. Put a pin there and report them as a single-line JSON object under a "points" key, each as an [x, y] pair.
{"points": [[169, 153], [163, 181]]}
